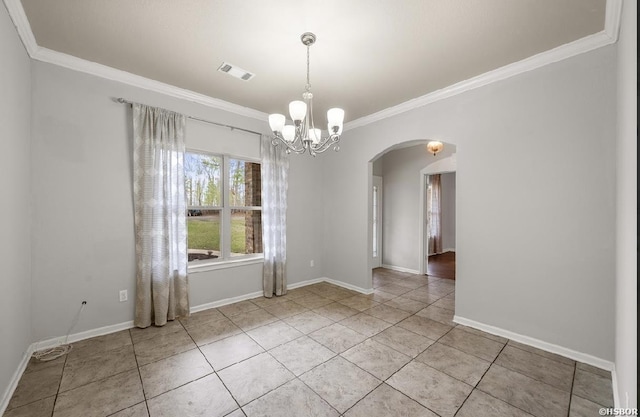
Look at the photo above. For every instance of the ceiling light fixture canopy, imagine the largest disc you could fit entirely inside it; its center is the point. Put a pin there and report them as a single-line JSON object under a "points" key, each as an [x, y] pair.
{"points": [[303, 135], [434, 147]]}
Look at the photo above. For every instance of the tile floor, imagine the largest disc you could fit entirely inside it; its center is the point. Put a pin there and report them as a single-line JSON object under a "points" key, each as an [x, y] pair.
{"points": [[321, 350]]}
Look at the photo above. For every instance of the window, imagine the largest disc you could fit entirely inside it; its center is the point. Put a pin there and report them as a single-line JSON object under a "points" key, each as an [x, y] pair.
{"points": [[224, 213]]}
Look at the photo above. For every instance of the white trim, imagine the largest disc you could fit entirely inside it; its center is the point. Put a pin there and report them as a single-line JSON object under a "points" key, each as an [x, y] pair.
{"points": [[13, 382], [53, 342], [537, 343], [400, 269], [617, 401], [304, 283], [348, 286], [19, 17], [606, 37], [232, 263], [225, 302]]}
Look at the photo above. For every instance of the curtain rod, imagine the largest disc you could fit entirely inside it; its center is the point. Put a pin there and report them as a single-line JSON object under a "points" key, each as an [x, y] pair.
{"points": [[123, 101]]}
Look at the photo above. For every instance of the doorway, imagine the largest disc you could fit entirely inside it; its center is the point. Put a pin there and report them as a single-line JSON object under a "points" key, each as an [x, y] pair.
{"points": [[376, 221], [444, 255]]}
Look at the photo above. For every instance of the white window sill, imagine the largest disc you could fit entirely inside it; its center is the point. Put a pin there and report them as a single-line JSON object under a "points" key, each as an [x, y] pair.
{"points": [[212, 266]]}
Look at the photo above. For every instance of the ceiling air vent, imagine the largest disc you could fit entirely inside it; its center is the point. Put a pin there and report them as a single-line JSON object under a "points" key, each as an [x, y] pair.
{"points": [[235, 71]]}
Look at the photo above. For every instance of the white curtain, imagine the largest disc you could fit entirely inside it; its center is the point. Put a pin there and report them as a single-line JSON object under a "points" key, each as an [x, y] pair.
{"points": [[275, 170], [160, 224], [435, 218]]}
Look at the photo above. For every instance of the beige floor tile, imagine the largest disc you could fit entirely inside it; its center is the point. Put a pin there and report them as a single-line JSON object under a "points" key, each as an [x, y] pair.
{"points": [[426, 327], [274, 334], [359, 302], [285, 309], [593, 369], [433, 389], [39, 365], [385, 401], [534, 397], [101, 398], [98, 344], [308, 321], [446, 303], [301, 355], [337, 337], [543, 353], [237, 308], [394, 289], [477, 332], [379, 360], [387, 313], [593, 387], [162, 346], [480, 404], [36, 386], [202, 317], [212, 331], [204, 397], [299, 400], [583, 408], [87, 369], [138, 334], [138, 410], [438, 314], [537, 367], [462, 366], [252, 319], [231, 350], [254, 377], [312, 301], [348, 384], [40, 408], [406, 304], [423, 296], [403, 340], [365, 324], [169, 373], [472, 344], [336, 311]]}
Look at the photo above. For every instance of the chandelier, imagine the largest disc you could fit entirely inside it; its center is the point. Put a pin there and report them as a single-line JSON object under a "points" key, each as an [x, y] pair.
{"points": [[303, 135]]}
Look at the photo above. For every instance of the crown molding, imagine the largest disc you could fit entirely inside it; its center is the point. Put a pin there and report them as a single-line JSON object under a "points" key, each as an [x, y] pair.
{"points": [[608, 36], [16, 11]]}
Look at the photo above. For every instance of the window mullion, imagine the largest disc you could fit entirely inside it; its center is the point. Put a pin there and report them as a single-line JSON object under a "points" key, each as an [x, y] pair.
{"points": [[226, 211]]}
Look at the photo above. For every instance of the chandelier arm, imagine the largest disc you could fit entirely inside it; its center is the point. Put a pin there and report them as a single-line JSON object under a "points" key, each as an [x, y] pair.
{"points": [[277, 139], [328, 142]]}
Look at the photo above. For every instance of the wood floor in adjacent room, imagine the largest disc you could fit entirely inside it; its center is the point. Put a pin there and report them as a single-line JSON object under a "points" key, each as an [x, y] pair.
{"points": [[320, 350], [442, 265]]}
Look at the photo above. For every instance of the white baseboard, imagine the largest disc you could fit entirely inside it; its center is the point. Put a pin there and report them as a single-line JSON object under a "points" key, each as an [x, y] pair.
{"points": [[225, 302], [530, 341], [13, 383], [401, 269], [348, 286]]}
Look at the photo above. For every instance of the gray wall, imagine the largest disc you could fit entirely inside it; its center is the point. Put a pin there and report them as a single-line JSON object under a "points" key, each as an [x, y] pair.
{"points": [[83, 241], [15, 210], [626, 376], [536, 246], [400, 170]]}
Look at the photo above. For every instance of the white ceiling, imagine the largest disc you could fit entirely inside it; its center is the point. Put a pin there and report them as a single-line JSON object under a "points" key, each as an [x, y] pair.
{"points": [[370, 55]]}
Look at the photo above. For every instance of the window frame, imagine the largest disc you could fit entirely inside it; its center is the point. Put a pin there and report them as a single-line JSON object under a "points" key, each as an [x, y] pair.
{"points": [[225, 260]]}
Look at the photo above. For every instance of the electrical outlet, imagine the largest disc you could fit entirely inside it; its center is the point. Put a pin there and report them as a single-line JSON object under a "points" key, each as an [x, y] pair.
{"points": [[312, 263], [123, 295]]}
